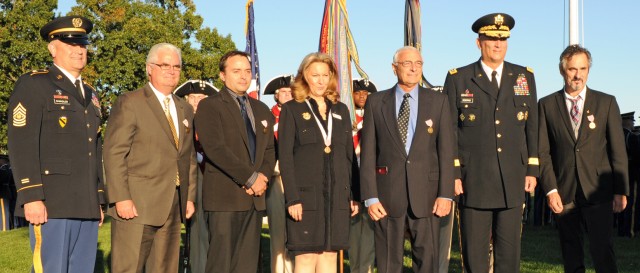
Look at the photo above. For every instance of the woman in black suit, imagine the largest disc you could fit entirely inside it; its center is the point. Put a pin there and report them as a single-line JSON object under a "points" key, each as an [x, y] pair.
{"points": [[316, 160]]}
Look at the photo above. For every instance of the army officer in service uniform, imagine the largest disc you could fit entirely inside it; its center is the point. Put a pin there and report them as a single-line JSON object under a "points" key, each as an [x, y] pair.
{"points": [[495, 110], [56, 150]]}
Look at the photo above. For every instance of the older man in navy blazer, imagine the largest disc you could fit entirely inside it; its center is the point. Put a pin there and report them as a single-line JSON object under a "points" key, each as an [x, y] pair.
{"points": [[406, 166]]}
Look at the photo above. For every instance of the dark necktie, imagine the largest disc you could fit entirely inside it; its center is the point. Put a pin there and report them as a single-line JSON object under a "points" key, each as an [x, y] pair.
{"points": [[84, 96], [494, 80], [403, 118], [251, 135]]}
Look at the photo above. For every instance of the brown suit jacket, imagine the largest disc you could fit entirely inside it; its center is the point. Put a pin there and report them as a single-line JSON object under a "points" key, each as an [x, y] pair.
{"points": [[222, 133], [141, 160]]}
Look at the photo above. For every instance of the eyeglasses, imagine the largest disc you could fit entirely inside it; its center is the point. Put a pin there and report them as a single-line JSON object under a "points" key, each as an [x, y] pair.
{"points": [[409, 63], [169, 67]]}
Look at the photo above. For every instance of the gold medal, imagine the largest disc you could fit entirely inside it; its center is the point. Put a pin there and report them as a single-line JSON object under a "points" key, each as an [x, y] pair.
{"points": [[430, 130], [327, 150], [592, 125], [520, 116], [306, 115]]}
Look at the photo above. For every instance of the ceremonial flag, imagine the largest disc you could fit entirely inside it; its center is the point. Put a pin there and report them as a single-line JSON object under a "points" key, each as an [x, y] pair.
{"points": [[336, 40], [413, 30], [252, 50]]}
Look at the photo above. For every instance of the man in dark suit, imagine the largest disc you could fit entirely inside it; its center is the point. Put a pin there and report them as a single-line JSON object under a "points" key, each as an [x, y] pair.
{"points": [[584, 163], [494, 108], [406, 166], [56, 151], [236, 133], [632, 143], [150, 164]]}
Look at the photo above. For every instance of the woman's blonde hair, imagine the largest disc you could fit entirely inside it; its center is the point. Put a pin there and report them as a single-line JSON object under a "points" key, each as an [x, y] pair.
{"points": [[300, 86]]}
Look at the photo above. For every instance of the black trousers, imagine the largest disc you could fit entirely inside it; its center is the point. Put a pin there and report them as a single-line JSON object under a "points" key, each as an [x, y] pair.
{"points": [[389, 243], [596, 220], [234, 240], [478, 226]]}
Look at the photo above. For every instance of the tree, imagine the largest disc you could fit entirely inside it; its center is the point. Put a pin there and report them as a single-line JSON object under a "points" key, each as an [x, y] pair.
{"points": [[125, 31], [21, 47]]}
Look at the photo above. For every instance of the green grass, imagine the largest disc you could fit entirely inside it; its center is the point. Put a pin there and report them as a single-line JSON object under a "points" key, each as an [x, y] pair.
{"points": [[540, 252]]}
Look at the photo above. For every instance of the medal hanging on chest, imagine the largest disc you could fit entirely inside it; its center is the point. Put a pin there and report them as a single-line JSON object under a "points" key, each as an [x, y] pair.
{"points": [[326, 134]]}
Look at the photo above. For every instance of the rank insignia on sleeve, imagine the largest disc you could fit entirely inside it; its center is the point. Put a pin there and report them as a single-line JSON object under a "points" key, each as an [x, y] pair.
{"points": [[530, 69], [62, 121], [19, 116]]}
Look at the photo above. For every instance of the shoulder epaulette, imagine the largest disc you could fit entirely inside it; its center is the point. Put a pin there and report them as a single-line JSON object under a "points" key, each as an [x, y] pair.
{"points": [[453, 71], [91, 86], [530, 69], [39, 71]]}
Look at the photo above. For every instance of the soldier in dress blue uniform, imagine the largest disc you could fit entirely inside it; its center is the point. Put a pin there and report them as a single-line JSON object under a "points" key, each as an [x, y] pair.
{"points": [[494, 107], [56, 150]]}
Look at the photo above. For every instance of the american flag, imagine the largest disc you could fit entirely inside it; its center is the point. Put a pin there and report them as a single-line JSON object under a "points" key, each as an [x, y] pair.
{"points": [[252, 50]]}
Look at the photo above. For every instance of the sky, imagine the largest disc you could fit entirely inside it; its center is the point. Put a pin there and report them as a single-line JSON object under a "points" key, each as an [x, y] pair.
{"points": [[287, 30]]}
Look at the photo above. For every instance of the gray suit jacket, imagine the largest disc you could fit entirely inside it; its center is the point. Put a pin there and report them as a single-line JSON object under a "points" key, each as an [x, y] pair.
{"points": [[141, 159], [389, 173]]}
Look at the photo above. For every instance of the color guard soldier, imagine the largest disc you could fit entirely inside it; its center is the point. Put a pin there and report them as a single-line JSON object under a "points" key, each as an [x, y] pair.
{"points": [[193, 91], [56, 151], [361, 238], [281, 261], [494, 107]]}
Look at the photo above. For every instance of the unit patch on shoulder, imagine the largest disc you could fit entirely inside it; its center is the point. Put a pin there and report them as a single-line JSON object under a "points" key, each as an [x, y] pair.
{"points": [[19, 116], [453, 71], [530, 69]]}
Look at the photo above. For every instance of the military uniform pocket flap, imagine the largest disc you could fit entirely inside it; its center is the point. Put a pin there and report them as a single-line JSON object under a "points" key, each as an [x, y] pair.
{"points": [[55, 166]]}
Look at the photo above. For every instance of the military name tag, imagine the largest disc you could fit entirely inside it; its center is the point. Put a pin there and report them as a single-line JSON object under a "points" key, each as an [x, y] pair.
{"points": [[60, 99], [466, 100]]}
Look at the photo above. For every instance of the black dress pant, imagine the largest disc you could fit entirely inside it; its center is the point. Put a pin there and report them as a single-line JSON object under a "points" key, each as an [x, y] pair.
{"points": [[594, 219], [478, 226], [234, 241]]}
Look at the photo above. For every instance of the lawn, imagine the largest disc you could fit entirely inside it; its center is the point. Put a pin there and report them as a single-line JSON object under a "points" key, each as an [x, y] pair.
{"points": [[540, 252]]}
